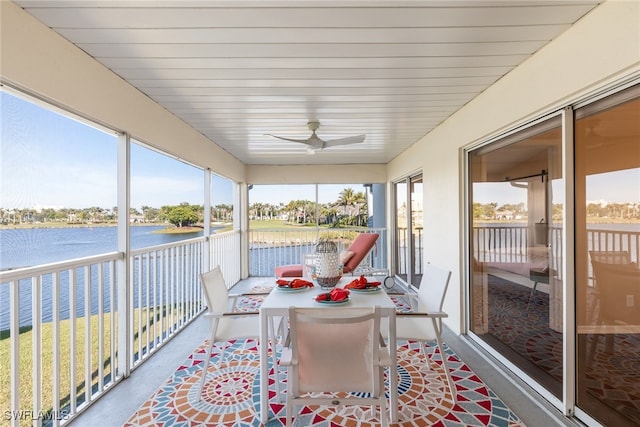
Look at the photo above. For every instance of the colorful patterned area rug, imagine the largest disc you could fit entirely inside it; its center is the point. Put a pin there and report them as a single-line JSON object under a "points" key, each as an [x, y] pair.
{"points": [[231, 395]]}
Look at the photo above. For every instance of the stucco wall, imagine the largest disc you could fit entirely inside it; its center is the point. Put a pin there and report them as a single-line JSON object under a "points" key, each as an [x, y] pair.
{"points": [[36, 59], [601, 49]]}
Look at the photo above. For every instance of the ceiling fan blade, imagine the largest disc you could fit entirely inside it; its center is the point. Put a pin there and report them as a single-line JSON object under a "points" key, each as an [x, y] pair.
{"points": [[315, 143], [308, 141], [345, 141]]}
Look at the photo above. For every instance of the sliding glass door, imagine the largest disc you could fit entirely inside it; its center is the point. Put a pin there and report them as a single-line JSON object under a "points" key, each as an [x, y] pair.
{"points": [[607, 158], [516, 193], [408, 230], [569, 328]]}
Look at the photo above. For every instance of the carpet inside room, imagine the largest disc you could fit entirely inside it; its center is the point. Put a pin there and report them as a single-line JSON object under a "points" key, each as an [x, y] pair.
{"points": [[519, 329]]}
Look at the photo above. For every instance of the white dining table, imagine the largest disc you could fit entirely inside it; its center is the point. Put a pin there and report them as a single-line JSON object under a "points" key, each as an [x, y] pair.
{"points": [[277, 304]]}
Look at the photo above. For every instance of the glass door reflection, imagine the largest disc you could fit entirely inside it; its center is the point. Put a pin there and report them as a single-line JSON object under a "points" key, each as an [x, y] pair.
{"points": [[516, 200], [607, 190]]}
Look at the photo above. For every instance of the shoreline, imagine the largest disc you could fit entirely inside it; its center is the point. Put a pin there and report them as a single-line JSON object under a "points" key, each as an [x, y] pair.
{"points": [[169, 229]]}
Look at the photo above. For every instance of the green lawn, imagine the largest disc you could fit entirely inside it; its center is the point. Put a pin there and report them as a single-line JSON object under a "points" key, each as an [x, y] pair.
{"points": [[274, 224], [65, 375], [26, 362], [288, 232]]}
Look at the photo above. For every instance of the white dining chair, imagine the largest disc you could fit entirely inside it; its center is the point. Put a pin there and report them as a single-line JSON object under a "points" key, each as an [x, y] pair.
{"points": [[335, 350], [226, 322], [424, 322]]}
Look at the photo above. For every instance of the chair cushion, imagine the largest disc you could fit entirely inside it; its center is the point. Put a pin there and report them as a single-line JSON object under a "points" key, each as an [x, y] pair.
{"points": [[345, 256], [294, 270], [360, 247]]}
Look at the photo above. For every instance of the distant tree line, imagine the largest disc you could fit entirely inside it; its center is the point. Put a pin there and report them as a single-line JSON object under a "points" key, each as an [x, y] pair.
{"points": [[350, 209], [491, 211], [180, 215]]}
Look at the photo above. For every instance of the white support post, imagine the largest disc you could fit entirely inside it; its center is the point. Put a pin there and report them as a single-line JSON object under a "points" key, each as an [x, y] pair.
{"points": [[87, 334], [73, 328], [36, 347], [101, 331], [124, 315], [14, 349], [207, 220], [112, 321], [241, 222], [55, 348]]}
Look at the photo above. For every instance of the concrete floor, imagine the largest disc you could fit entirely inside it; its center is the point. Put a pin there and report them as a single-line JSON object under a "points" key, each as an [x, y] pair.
{"points": [[117, 405]]}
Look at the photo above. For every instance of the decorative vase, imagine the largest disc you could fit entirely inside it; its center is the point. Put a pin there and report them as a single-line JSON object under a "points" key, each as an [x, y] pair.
{"points": [[327, 272]]}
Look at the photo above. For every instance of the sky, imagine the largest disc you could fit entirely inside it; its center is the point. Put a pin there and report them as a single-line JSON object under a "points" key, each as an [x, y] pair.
{"points": [[52, 161], [600, 187]]}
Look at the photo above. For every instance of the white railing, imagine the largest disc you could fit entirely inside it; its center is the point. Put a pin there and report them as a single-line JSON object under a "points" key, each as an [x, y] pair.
{"points": [[501, 243], [401, 254], [164, 295], [273, 247], [60, 357], [615, 240], [225, 252], [62, 326], [510, 244]]}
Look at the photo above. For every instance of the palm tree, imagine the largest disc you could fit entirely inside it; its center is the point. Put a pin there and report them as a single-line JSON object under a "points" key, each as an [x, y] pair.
{"points": [[270, 210], [291, 209], [361, 205], [223, 212], [347, 197], [256, 209], [310, 211], [328, 214]]}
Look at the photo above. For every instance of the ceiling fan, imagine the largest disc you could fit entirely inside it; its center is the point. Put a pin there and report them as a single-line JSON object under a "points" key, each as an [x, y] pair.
{"points": [[315, 143]]}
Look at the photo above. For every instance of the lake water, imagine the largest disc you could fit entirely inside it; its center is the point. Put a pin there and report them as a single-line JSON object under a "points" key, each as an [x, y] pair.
{"points": [[35, 246]]}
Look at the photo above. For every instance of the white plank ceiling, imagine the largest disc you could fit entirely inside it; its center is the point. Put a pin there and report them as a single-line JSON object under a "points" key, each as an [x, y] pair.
{"points": [[237, 70]]}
